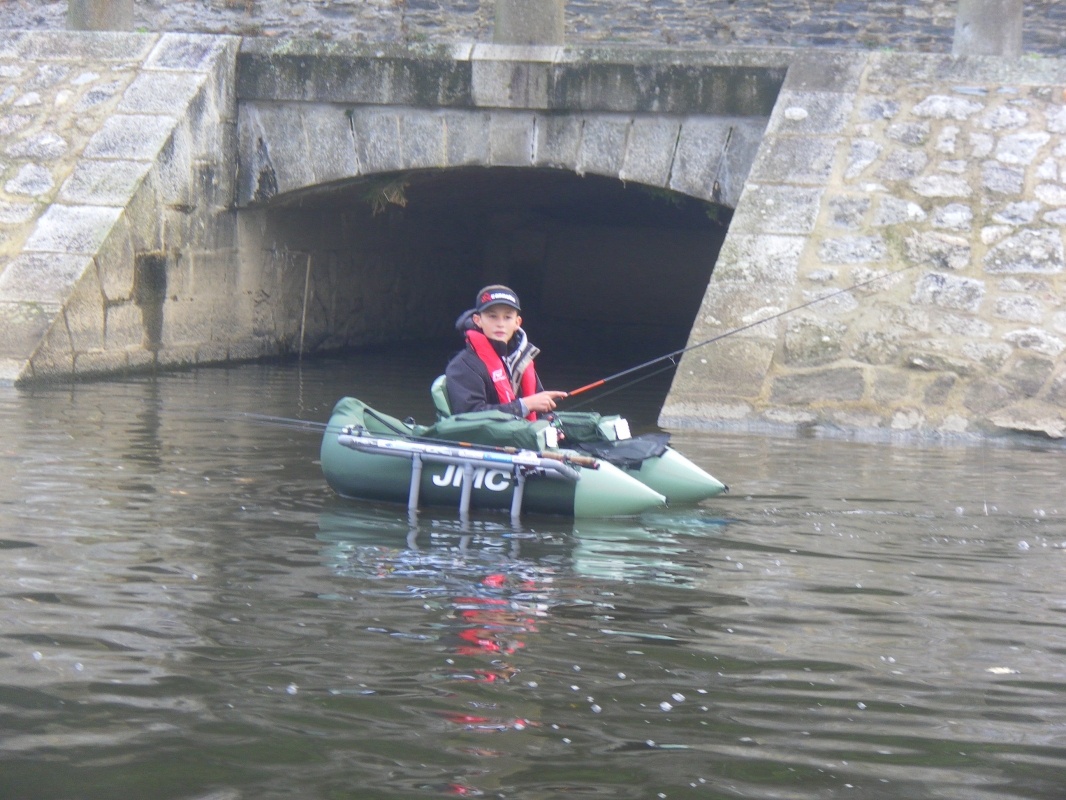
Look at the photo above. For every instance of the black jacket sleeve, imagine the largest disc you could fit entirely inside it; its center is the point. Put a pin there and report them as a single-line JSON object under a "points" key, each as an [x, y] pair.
{"points": [[470, 387]]}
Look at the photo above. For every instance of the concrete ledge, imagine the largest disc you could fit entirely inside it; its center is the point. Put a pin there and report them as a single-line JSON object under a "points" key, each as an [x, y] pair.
{"points": [[734, 83], [333, 73]]}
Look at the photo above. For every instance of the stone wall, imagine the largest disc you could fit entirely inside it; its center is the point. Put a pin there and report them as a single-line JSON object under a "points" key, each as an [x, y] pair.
{"points": [[117, 227], [926, 26], [945, 176]]}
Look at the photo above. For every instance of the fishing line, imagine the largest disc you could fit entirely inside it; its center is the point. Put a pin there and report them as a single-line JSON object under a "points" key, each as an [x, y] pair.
{"points": [[285, 422], [720, 336]]}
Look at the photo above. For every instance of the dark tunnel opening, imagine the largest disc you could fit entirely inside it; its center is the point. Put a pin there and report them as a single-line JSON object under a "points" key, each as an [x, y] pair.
{"points": [[610, 274]]}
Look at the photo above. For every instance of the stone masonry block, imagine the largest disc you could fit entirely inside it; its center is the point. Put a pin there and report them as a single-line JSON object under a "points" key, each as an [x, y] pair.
{"points": [[943, 251], [729, 307], [246, 350], [184, 51], [103, 183], [114, 265], [759, 259], [16, 213], [519, 22], [1019, 308], [92, 363], [331, 72], [811, 113], [32, 180], [205, 122], [331, 150], [285, 139], [198, 323], [853, 249], [377, 140], [1028, 374], [173, 169], [123, 48], [1038, 340], [185, 283], [423, 140], [72, 229], [1029, 251], [11, 369], [603, 145], [826, 71], [24, 324], [466, 138], [840, 384], [141, 220], [811, 341], [777, 209], [740, 155], [996, 177], [226, 182], [949, 291], [557, 141], [160, 92], [984, 397], [1032, 416], [510, 84], [135, 137], [256, 181], [45, 278], [52, 359], [699, 156], [730, 368], [81, 328], [795, 159], [703, 414], [649, 151], [511, 139]]}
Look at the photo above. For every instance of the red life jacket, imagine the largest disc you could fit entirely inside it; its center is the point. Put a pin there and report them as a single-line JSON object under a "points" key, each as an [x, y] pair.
{"points": [[498, 372]]}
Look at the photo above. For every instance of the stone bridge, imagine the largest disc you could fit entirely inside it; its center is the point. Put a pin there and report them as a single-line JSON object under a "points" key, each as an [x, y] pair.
{"points": [[558, 172], [179, 199]]}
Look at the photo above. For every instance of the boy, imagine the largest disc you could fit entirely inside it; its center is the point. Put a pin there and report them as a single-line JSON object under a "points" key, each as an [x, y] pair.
{"points": [[495, 369]]}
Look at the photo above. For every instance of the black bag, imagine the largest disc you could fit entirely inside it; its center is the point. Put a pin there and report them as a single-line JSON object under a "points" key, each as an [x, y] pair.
{"points": [[627, 453]]}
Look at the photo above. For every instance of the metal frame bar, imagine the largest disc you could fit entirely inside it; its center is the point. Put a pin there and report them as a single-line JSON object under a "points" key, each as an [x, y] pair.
{"points": [[461, 455]]}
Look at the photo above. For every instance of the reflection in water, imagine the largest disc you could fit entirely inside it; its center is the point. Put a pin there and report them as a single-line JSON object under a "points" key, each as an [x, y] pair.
{"points": [[647, 549], [188, 612], [493, 595], [650, 549]]}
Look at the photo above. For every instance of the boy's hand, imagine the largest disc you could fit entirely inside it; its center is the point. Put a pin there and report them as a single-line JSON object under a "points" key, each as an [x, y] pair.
{"points": [[543, 402]]}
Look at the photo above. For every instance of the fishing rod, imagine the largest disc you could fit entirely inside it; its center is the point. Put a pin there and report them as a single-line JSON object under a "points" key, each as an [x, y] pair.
{"points": [[675, 353]]}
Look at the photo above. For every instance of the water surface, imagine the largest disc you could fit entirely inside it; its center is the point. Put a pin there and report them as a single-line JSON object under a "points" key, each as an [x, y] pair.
{"points": [[188, 612]]}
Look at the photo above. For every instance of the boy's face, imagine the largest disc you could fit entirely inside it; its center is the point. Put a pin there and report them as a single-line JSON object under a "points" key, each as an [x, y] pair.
{"points": [[498, 323]]}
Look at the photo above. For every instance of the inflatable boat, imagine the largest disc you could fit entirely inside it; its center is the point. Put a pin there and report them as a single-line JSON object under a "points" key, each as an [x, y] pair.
{"points": [[577, 464]]}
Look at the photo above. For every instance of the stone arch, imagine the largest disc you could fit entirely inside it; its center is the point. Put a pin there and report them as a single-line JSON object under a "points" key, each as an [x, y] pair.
{"points": [[289, 149], [293, 155]]}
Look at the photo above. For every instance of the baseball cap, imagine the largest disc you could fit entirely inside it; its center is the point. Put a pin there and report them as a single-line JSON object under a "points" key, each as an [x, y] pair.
{"points": [[496, 295]]}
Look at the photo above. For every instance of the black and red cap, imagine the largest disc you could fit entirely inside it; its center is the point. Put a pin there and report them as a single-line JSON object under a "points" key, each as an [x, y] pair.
{"points": [[496, 295]]}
